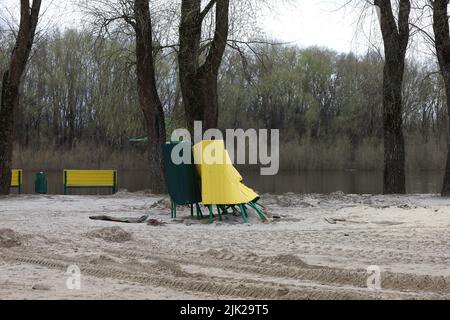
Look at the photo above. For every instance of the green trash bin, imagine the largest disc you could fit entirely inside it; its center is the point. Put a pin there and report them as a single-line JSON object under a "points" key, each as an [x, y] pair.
{"points": [[183, 184], [41, 183]]}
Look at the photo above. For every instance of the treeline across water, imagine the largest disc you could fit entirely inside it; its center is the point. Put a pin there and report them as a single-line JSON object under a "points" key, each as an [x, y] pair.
{"points": [[79, 104]]}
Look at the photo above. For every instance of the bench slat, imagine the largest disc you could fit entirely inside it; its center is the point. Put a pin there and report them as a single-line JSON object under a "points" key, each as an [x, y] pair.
{"points": [[90, 179]]}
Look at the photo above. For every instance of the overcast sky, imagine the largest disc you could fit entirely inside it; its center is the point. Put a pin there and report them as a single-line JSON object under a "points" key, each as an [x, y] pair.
{"points": [[317, 22], [307, 23]]}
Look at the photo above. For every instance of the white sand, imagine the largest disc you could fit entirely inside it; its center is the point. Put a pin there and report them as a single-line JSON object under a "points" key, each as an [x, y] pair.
{"points": [[300, 257]]}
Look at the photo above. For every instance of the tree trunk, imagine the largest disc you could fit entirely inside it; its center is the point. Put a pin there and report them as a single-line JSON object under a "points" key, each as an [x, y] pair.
{"points": [[394, 144], [10, 91], [446, 184], [199, 82], [148, 95], [210, 102], [395, 38], [188, 60], [9, 102], [442, 42], [56, 123]]}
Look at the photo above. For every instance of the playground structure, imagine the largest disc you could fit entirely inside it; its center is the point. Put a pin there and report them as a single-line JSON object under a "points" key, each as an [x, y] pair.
{"points": [[212, 183]]}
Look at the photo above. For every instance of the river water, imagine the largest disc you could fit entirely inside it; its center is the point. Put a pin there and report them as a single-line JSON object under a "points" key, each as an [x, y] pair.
{"points": [[354, 182]]}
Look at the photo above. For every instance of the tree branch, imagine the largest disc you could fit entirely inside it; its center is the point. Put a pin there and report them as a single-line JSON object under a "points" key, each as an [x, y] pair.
{"points": [[207, 9], [403, 23]]}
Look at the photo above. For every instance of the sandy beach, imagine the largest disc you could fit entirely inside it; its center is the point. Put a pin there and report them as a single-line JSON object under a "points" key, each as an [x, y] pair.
{"points": [[316, 247]]}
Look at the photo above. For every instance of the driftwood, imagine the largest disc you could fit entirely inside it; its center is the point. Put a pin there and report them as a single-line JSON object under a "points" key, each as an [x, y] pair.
{"points": [[123, 220]]}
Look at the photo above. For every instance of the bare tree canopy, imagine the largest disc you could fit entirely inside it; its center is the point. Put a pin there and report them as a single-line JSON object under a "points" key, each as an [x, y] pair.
{"points": [[134, 16], [199, 79]]}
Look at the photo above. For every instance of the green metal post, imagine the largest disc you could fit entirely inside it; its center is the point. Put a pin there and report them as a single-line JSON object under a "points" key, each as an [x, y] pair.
{"points": [[224, 210], [259, 212], [199, 212], [259, 205], [174, 210], [65, 182], [20, 182], [220, 214], [244, 212], [211, 215], [115, 183]]}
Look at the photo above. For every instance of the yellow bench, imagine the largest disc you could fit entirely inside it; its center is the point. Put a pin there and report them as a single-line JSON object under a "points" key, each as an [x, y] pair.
{"points": [[90, 179], [17, 179]]}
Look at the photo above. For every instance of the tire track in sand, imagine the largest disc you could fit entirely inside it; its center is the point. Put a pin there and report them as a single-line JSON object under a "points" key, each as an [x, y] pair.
{"points": [[291, 267], [211, 285]]}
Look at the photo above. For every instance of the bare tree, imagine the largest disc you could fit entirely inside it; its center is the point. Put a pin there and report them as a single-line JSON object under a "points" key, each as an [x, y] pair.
{"points": [[442, 43], [199, 80], [148, 94], [198, 31], [395, 38], [136, 14], [29, 17]]}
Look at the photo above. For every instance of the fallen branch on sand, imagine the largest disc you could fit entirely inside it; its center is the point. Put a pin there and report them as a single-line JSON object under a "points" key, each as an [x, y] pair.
{"points": [[123, 220], [334, 220]]}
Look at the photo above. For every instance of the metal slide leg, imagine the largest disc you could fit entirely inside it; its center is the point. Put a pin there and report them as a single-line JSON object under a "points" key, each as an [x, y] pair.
{"points": [[224, 210], [20, 183], [192, 210], [199, 212], [259, 212], [220, 214], [65, 183], [234, 210], [244, 212], [211, 214], [258, 205], [174, 210]]}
